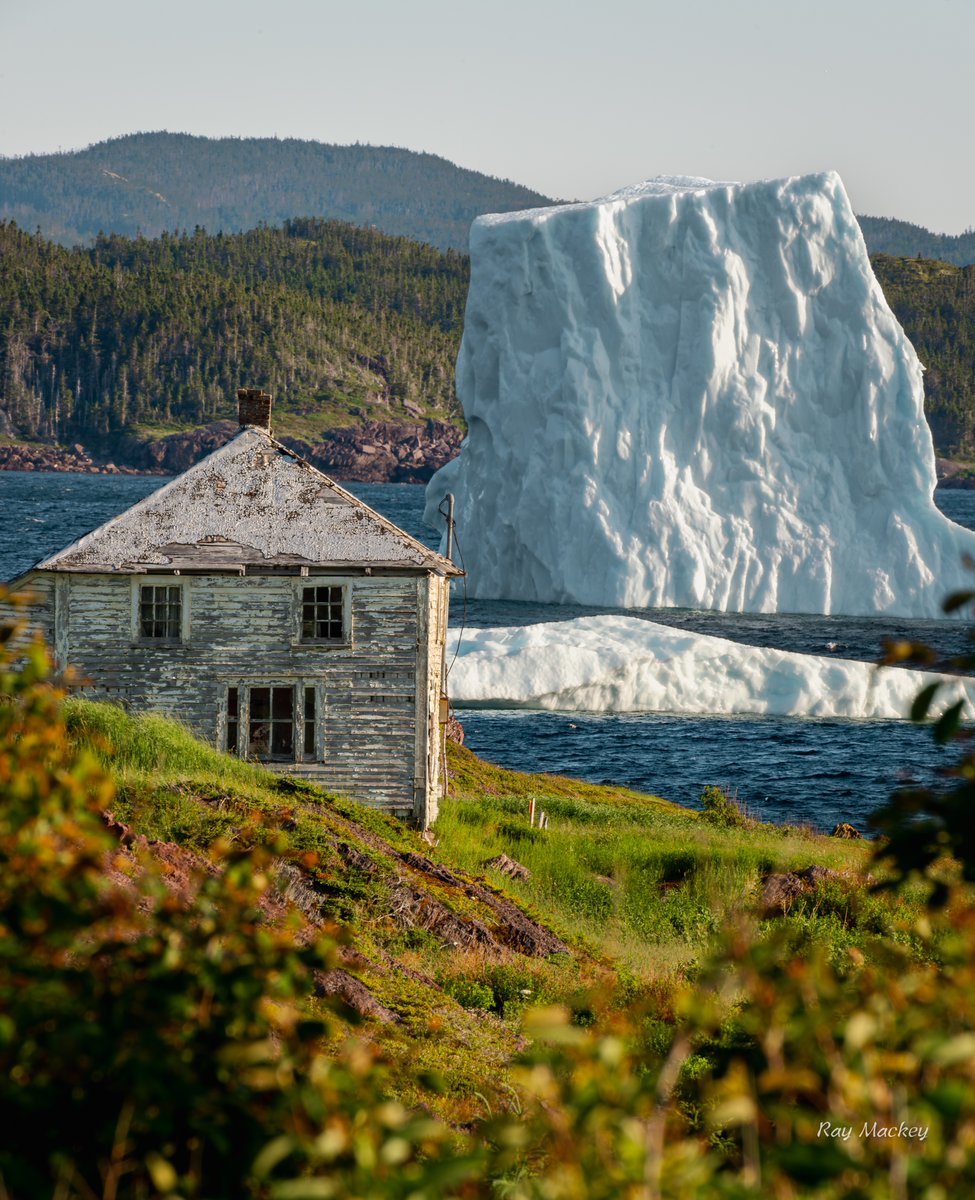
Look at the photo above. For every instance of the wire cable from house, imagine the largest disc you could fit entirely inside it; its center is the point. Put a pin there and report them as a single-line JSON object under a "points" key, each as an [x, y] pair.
{"points": [[463, 618]]}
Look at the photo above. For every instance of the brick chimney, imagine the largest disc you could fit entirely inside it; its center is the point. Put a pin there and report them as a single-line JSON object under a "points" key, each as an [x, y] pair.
{"points": [[254, 408]]}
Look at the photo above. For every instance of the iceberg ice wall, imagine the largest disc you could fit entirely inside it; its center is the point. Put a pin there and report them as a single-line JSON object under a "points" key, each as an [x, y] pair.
{"points": [[694, 394], [623, 664]]}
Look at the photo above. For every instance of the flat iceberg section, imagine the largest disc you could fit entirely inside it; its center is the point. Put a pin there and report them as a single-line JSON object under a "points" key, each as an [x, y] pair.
{"points": [[694, 394], [625, 664]]}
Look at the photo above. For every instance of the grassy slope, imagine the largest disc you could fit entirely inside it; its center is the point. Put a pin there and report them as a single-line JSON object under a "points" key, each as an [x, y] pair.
{"points": [[639, 880], [634, 885]]}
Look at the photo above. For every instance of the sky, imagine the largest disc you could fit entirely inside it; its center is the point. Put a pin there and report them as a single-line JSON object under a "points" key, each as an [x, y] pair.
{"points": [[574, 98]]}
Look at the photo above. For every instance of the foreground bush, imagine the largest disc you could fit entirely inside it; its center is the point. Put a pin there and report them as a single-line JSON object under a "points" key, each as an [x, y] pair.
{"points": [[161, 1042]]}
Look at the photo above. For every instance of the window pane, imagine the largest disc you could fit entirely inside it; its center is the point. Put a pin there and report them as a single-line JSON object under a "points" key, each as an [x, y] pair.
{"points": [[283, 703], [160, 611], [282, 738], [259, 740], [309, 738], [307, 620], [260, 703], [321, 613], [233, 724]]}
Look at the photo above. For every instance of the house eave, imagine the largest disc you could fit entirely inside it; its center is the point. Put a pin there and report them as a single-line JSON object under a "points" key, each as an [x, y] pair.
{"points": [[352, 567]]}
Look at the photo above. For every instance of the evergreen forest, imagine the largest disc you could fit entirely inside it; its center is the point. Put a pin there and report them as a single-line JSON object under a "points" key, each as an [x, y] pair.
{"points": [[147, 336], [886, 235], [153, 335], [935, 303], [151, 183]]}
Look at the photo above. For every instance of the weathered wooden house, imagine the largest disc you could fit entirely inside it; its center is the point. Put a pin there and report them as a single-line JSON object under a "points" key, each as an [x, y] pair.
{"points": [[271, 611]]}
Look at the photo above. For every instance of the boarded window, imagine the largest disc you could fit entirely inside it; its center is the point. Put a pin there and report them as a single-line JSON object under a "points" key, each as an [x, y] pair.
{"points": [[161, 612], [322, 614]]}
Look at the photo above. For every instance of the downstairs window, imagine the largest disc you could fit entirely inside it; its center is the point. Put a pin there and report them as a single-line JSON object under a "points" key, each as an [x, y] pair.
{"points": [[272, 723]]}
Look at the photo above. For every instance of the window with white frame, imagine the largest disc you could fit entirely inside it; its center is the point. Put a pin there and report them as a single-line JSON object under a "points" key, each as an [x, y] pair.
{"points": [[272, 722], [160, 614], [323, 613]]}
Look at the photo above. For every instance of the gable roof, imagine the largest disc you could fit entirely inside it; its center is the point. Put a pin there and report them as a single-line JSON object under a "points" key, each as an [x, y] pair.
{"points": [[253, 502]]}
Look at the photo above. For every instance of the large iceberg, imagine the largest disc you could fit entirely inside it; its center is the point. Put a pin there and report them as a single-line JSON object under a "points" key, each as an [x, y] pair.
{"points": [[625, 664], [694, 394]]}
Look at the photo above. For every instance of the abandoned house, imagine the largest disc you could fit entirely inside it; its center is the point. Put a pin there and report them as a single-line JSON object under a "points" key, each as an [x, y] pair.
{"points": [[272, 612]]}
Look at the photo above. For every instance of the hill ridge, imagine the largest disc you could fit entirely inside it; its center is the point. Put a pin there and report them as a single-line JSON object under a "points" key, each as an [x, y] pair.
{"points": [[155, 182]]}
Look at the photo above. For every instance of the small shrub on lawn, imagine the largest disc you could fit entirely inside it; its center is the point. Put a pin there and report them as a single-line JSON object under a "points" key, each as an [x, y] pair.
{"points": [[470, 993], [718, 808]]}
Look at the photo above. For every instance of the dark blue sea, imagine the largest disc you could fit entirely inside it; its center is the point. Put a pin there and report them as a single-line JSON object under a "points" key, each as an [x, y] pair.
{"points": [[815, 772]]}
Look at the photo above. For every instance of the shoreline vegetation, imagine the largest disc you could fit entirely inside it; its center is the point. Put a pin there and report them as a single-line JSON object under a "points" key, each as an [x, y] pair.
{"points": [[125, 355], [220, 981], [373, 452], [394, 454]]}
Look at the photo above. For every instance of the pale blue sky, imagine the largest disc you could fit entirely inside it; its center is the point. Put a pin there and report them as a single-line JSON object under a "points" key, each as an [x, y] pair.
{"points": [[573, 99]]}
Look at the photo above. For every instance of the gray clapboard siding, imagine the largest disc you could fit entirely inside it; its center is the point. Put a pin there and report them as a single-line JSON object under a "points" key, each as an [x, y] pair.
{"points": [[34, 612], [378, 690]]}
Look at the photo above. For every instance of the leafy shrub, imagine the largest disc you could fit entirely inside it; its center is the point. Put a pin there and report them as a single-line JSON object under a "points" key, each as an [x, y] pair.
{"points": [[150, 1048], [512, 986], [470, 993], [154, 1046], [718, 808]]}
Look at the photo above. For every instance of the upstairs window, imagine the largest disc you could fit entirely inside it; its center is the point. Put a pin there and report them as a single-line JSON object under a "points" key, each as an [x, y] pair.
{"points": [[323, 614], [160, 612]]}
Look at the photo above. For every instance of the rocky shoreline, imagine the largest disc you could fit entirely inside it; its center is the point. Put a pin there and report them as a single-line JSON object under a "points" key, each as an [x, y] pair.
{"points": [[370, 452], [953, 474], [76, 459]]}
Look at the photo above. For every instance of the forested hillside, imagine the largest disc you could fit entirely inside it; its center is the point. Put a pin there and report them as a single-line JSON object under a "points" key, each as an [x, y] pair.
{"points": [[149, 183], [935, 302], [145, 337], [885, 235], [338, 323]]}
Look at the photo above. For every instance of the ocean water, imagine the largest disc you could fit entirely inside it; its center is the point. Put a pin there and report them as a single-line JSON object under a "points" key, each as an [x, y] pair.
{"points": [[815, 772]]}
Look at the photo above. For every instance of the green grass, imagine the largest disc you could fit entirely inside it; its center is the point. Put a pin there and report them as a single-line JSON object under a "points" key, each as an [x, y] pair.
{"points": [[171, 786], [637, 887], [634, 877], [618, 874]]}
